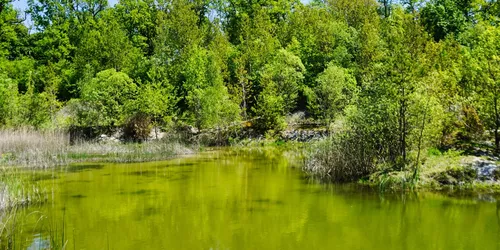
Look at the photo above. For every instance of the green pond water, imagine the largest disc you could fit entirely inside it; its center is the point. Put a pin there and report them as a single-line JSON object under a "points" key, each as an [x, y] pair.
{"points": [[228, 200]]}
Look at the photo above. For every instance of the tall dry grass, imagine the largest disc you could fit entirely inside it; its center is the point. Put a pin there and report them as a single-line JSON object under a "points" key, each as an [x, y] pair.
{"points": [[27, 147], [126, 152], [44, 149]]}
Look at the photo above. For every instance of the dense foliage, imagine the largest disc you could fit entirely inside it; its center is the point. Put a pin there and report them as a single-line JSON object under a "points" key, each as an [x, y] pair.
{"points": [[398, 76]]}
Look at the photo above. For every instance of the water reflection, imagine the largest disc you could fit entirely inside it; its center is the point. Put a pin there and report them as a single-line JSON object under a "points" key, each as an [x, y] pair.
{"points": [[247, 200]]}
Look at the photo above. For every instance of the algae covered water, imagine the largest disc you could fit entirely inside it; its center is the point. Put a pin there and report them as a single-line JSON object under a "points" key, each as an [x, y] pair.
{"points": [[251, 200]]}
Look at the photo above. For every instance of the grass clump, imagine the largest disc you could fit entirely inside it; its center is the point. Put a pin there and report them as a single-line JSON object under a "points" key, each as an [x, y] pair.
{"points": [[17, 189], [44, 149], [26, 147], [344, 158], [126, 152], [341, 158]]}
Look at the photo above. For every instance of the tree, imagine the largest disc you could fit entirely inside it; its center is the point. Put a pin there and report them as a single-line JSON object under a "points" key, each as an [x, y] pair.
{"points": [[335, 89], [104, 45], [207, 99], [178, 31], [255, 47], [390, 113], [318, 38], [155, 99], [13, 34], [281, 80], [486, 70], [8, 101], [139, 20], [104, 98], [443, 17], [286, 72]]}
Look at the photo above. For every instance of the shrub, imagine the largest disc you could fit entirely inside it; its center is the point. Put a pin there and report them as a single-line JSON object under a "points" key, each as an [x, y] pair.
{"points": [[138, 127], [455, 176], [341, 158], [472, 127], [335, 89], [104, 98]]}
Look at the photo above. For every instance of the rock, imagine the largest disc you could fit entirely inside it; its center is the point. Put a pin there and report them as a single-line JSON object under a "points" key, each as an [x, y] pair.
{"points": [[108, 139], [193, 130], [486, 170], [303, 135], [156, 133]]}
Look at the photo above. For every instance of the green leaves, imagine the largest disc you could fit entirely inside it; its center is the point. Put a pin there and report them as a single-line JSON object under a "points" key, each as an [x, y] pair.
{"points": [[443, 17], [281, 80], [103, 99], [335, 89], [284, 75], [484, 74], [211, 63], [8, 101], [207, 99]]}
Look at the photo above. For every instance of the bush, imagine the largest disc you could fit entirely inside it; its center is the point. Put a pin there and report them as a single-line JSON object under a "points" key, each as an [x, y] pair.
{"points": [[456, 176], [103, 99], [341, 158], [335, 89], [472, 127], [137, 128]]}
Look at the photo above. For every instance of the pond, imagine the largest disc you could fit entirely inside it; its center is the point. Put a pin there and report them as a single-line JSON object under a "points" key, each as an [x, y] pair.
{"points": [[245, 200]]}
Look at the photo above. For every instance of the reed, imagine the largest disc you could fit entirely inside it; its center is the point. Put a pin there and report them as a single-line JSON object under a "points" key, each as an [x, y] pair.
{"points": [[339, 158], [27, 147], [45, 149]]}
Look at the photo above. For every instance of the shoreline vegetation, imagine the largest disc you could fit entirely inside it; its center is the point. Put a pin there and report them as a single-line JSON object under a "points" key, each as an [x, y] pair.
{"points": [[471, 167], [45, 149], [394, 94], [398, 95], [30, 150], [333, 158]]}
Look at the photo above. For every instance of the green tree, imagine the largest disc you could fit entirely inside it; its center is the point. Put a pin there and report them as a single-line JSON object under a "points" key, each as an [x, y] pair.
{"points": [[8, 101], [443, 17], [104, 98], [139, 19], [13, 34], [485, 65], [254, 48], [394, 108], [207, 99], [156, 98], [335, 89], [104, 45], [318, 38], [36, 109], [281, 80]]}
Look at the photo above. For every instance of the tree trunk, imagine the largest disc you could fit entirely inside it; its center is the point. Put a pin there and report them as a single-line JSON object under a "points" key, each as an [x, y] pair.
{"points": [[244, 92], [402, 127], [386, 8], [495, 106], [420, 139], [497, 125]]}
